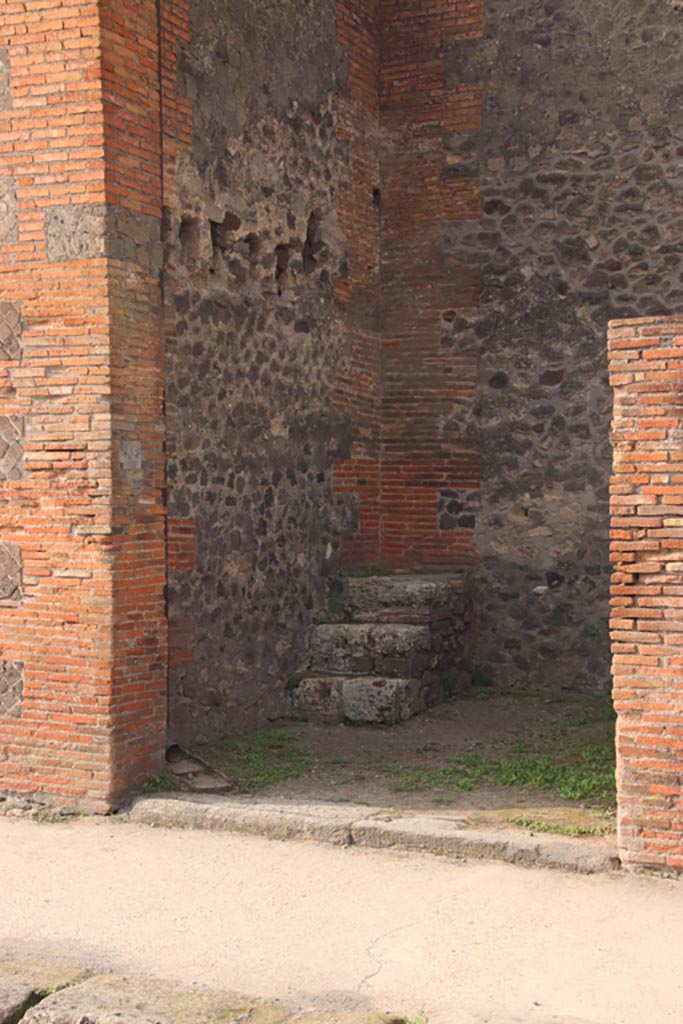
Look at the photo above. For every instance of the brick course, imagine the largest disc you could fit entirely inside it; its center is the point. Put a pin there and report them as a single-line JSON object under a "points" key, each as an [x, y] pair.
{"points": [[646, 624]]}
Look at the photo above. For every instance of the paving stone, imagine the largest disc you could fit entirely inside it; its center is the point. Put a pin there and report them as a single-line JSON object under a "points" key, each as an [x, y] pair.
{"points": [[23, 982], [110, 999]]}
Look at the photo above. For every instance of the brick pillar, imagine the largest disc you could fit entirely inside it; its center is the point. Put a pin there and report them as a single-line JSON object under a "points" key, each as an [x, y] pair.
{"points": [[646, 371], [82, 562], [359, 378], [430, 464]]}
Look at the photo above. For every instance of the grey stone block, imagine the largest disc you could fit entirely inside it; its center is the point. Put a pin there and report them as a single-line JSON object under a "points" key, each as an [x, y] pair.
{"points": [[11, 582], [91, 230], [9, 212], [361, 700], [11, 447], [385, 648], [75, 232], [5, 84], [11, 328], [11, 688]]}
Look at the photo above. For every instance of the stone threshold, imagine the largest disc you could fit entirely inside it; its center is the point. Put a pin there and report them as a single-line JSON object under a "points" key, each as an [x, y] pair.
{"points": [[438, 834]]}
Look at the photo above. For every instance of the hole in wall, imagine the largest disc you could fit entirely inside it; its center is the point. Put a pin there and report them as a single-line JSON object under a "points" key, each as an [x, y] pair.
{"points": [[376, 199], [189, 238], [313, 245], [222, 232], [282, 257]]}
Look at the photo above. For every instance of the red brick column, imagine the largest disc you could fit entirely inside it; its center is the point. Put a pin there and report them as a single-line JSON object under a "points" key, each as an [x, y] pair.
{"points": [[359, 379], [646, 371], [430, 472], [82, 562]]}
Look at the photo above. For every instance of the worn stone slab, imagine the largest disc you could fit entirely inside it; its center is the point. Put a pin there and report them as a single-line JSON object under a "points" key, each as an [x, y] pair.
{"points": [[328, 823], [113, 999], [446, 837], [109, 999], [346, 824], [410, 598], [24, 982]]}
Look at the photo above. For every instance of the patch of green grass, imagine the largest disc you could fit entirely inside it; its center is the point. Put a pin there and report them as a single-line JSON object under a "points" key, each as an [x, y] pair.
{"points": [[589, 776], [576, 831], [578, 773], [260, 759], [458, 773], [160, 783]]}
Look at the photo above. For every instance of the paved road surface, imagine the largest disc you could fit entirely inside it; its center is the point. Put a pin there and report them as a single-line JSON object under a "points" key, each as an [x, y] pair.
{"points": [[345, 929]]}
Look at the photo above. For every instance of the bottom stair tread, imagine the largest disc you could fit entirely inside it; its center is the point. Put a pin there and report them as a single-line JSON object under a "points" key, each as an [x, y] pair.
{"points": [[360, 700]]}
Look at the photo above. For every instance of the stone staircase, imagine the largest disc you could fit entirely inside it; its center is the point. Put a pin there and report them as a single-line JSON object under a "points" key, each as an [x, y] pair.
{"points": [[391, 647]]}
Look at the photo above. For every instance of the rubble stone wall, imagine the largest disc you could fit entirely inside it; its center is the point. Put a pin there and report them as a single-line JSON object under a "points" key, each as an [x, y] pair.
{"points": [[578, 157], [255, 347]]}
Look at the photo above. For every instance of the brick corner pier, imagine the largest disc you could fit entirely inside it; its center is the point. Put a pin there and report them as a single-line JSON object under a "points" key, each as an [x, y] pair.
{"points": [[82, 551], [646, 373]]}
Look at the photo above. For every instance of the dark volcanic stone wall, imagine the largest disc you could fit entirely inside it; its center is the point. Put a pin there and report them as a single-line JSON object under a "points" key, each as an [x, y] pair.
{"points": [[579, 157], [252, 251]]}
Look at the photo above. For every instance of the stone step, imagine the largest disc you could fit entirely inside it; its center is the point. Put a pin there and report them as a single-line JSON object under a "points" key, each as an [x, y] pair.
{"points": [[358, 700], [407, 598], [393, 649]]}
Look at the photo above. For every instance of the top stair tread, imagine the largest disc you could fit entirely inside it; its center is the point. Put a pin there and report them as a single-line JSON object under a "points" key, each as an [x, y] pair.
{"points": [[401, 598]]}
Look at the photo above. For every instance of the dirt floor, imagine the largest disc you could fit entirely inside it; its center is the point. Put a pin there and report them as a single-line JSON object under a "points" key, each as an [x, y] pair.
{"points": [[530, 759]]}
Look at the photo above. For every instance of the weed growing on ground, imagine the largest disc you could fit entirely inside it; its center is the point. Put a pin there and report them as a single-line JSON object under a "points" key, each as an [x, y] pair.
{"points": [[585, 773], [261, 759], [576, 831], [159, 784]]}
